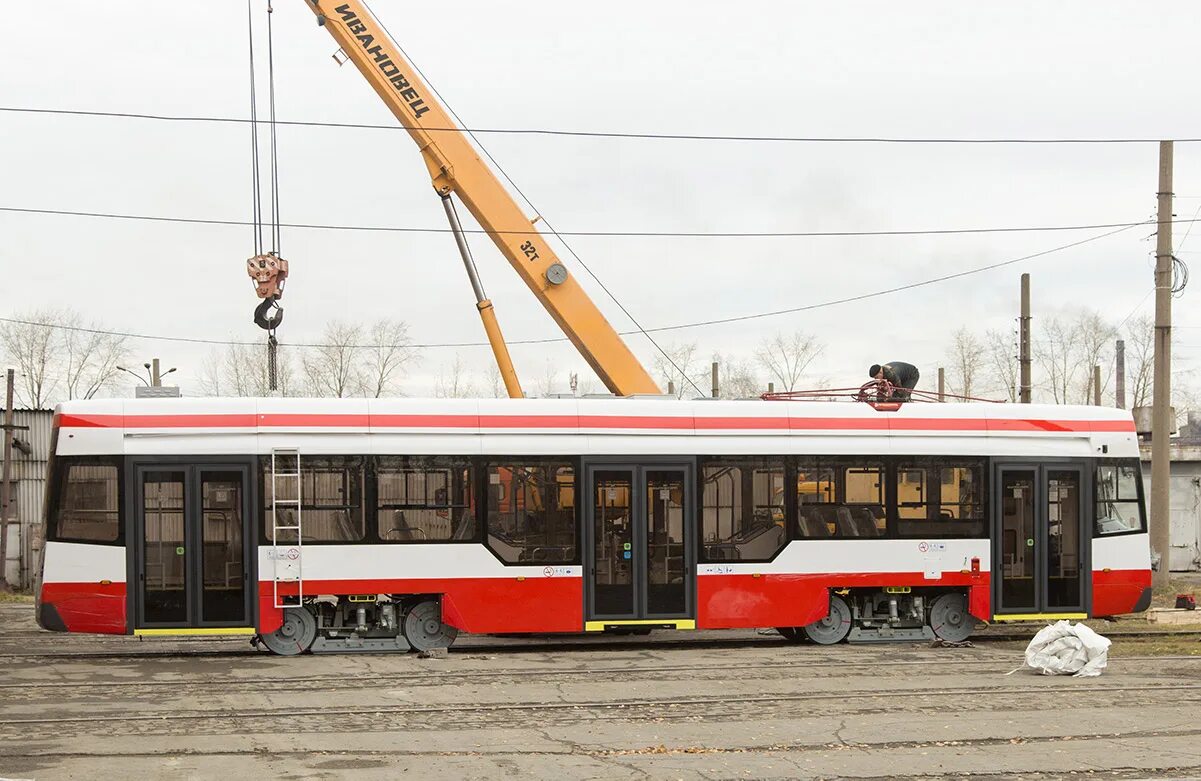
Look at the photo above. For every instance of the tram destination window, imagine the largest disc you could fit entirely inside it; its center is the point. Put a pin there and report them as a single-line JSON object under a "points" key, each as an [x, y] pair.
{"points": [[843, 498], [941, 498], [331, 500], [424, 500], [532, 512], [742, 509], [1119, 497], [87, 506]]}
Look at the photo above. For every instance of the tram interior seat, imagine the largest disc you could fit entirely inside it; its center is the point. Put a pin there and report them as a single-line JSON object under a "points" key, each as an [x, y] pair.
{"points": [[401, 530], [840, 520]]}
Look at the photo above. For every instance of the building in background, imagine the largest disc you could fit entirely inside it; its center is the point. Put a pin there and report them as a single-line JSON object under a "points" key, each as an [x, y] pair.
{"points": [[1185, 487], [30, 457]]}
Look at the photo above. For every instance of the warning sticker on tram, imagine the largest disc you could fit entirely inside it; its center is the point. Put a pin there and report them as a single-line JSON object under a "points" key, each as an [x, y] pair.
{"points": [[283, 554]]}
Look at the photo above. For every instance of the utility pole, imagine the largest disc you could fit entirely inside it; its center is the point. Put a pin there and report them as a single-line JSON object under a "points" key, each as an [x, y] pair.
{"points": [[6, 476], [671, 387], [156, 379], [771, 387], [1024, 343], [1096, 386], [1119, 380], [942, 384], [716, 387], [1161, 412]]}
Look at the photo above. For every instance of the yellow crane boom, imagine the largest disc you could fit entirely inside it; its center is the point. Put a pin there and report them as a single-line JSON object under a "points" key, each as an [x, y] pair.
{"points": [[455, 167]]}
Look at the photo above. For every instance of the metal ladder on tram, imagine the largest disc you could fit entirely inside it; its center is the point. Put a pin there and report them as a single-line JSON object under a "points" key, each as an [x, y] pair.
{"points": [[286, 563]]}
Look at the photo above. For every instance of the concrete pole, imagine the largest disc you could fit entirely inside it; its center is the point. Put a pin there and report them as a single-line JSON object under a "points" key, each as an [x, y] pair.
{"points": [[671, 387], [1096, 386], [156, 379], [771, 387], [716, 387], [6, 477], [1119, 368], [942, 384], [1161, 415], [1024, 360]]}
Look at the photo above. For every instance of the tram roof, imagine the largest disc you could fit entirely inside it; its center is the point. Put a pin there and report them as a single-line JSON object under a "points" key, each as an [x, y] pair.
{"points": [[562, 414]]}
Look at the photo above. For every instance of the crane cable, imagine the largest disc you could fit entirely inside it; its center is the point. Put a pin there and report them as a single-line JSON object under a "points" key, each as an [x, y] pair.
{"points": [[267, 269]]}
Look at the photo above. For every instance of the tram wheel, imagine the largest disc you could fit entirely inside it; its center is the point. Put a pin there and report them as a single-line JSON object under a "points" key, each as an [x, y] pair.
{"points": [[833, 628], [792, 634], [424, 629], [949, 618], [295, 636]]}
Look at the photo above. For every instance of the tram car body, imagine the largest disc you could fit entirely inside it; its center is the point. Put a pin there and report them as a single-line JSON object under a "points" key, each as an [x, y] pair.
{"points": [[389, 524]]}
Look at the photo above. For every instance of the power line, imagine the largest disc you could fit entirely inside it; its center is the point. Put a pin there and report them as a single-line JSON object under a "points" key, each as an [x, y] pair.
{"points": [[606, 134], [660, 329], [610, 234]]}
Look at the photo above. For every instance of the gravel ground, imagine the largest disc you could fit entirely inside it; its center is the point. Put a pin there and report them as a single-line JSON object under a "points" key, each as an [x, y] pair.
{"points": [[737, 704]]}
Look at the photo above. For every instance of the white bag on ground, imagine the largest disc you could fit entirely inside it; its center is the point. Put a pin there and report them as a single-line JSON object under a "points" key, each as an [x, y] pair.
{"points": [[1064, 649]]}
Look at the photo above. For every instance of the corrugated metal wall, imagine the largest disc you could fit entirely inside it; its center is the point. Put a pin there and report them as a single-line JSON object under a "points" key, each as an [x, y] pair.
{"points": [[29, 482]]}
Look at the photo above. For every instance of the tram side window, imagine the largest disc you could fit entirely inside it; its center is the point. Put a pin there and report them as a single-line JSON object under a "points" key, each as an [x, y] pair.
{"points": [[840, 499], [1119, 497], [943, 498], [424, 500], [532, 513], [331, 493], [742, 510], [87, 506]]}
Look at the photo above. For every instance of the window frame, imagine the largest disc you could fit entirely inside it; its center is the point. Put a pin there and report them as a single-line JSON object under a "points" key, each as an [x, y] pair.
{"points": [[839, 465], [363, 462], [484, 465], [55, 493], [929, 464], [1140, 491], [373, 505], [769, 463]]}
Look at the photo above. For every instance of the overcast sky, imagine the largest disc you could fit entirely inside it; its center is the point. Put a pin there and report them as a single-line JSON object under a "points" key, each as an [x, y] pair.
{"points": [[917, 69]]}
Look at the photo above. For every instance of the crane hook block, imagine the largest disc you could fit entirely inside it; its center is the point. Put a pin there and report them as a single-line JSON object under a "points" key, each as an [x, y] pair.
{"points": [[268, 324], [268, 273]]}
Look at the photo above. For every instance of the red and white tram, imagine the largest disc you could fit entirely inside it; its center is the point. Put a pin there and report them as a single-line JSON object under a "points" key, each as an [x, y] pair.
{"points": [[385, 524]]}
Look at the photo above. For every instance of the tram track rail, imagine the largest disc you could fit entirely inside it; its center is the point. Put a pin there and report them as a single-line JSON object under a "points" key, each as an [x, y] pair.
{"points": [[219, 648], [627, 705], [442, 678]]}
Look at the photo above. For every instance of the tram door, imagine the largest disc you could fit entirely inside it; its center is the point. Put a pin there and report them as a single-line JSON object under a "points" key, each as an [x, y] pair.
{"points": [[639, 560], [193, 553], [1040, 541]]}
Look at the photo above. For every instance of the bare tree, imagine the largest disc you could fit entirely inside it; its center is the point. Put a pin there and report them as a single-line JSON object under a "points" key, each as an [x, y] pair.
{"points": [[453, 382], [550, 380], [787, 356], [677, 364], [495, 383], [334, 368], [31, 346], [90, 357], [1140, 359], [738, 378], [1057, 353], [242, 370], [1096, 337], [384, 356], [966, 359], [1001, 362]]}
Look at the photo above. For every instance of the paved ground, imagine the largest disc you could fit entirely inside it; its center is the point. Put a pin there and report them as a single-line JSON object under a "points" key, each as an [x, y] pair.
{"points": [[700, 705]]}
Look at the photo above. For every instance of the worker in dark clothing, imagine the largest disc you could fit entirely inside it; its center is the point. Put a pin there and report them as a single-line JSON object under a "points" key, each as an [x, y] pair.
{"points": [[902, 376]]}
